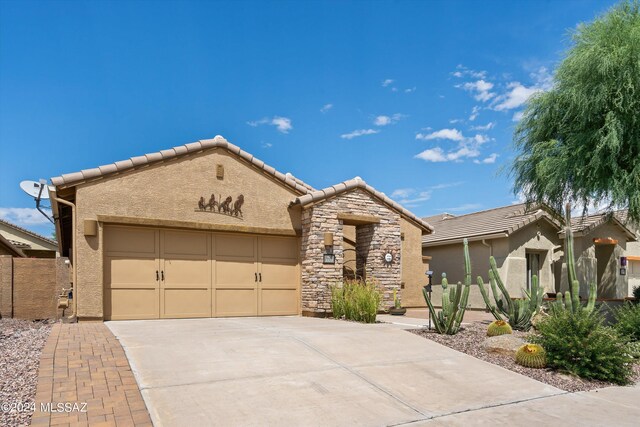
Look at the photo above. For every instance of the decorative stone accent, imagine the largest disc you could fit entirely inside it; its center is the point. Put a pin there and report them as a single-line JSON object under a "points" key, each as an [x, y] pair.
{"points": [[373, 241], [503, 344]]}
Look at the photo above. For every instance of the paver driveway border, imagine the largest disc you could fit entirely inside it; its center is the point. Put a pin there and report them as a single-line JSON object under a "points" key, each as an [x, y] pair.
{"points": [[305, 371], [83, 363]]}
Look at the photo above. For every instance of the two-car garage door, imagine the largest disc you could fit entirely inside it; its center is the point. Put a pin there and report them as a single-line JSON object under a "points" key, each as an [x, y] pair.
{"points": [[152, 273]]}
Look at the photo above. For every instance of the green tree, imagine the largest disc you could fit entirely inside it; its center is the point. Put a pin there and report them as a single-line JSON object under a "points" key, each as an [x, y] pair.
{"points": [[580, 141]]}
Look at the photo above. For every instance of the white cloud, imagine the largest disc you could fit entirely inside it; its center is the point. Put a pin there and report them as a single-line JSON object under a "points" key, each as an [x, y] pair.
{"points": [[462, 71], [451, 134], [480, 88], [267, 145], [454, 121], [474, 113], [463, 208], [283, 124], [24, 216], [516, 95], [517, 116], [410, 90], [387, 120], [480, 139], [446, 185], [437, 154], [359, 132], [326, 108], [488, 126], [387, 82], [488, 160], [402, 193]]}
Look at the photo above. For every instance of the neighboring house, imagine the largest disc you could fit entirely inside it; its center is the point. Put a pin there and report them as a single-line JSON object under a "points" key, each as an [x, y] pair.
{"points": [[600, 241], [527, 242], [208, 230], [7, 248], [523, 241], [33, 245], [633, 259]]}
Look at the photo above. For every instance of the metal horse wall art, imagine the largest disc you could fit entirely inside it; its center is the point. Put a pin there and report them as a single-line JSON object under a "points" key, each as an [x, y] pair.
{"points": [[226, 206]]}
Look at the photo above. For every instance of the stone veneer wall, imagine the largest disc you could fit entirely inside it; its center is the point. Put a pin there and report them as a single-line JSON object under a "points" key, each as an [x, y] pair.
{"points": [[373, 240]]}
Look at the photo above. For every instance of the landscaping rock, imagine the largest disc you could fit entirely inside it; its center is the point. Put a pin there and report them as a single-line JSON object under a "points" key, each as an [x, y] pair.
{"points": [[503, 344]]}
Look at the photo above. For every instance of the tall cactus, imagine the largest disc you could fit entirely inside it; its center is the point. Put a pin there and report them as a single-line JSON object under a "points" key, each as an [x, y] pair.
{"points": [[518, 312], [571, 299], [454, 300]]}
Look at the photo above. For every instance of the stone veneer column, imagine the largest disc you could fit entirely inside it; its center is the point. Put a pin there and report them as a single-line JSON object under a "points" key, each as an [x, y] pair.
{"points": [[375, 239]]}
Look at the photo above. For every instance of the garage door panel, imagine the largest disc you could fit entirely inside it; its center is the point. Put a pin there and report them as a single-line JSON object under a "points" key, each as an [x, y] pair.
{"points": [[185, 244], [236, 302], [235, 273], [134, 304], [130, 272], [277, 274], [186, 303], [187, 273], [234, 247], [129, 241], [278, 302], [277, 248]]}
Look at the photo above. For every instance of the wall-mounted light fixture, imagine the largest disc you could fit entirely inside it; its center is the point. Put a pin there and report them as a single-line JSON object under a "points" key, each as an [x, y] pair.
{"points": [[328, 257]]}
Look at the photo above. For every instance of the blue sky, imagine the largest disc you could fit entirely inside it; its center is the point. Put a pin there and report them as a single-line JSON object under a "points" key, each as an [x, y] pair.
{"points": [[418, 98]]}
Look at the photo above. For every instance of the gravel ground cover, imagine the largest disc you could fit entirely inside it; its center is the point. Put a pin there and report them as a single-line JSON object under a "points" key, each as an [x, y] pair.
{"points": [[470, 338], [21, 342]]}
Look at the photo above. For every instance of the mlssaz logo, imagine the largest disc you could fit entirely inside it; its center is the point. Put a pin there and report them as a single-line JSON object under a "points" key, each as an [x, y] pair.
{"points": [[226, 206]]}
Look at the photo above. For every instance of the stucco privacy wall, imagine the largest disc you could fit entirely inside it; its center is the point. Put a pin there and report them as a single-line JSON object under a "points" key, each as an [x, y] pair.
{"points": [[613, 285], [317, 278], [170, 192], [29, 287], [412, 265], [509, 253]]}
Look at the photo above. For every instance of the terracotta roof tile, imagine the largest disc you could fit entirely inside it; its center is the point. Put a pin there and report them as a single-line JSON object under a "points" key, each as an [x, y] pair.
{"points": [[29, 232]]}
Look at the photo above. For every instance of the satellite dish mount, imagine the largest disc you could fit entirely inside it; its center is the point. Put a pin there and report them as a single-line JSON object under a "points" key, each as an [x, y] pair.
{"points": [[39, 191]]}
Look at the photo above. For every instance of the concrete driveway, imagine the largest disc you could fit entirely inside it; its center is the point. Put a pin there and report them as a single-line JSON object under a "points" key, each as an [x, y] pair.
{"points": [[304, 371]]}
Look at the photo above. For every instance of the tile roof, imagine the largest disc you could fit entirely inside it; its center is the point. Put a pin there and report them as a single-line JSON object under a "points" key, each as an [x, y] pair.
{"points": [[71, 179], [319, 195], [584, 224], [502, 220], [6, 243], [29, 232]]}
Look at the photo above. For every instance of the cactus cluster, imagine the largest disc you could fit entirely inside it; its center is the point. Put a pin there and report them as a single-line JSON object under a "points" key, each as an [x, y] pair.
{"points": [[531, 356], [571, 299], [518, 312], [498, 327], [454, 300]]}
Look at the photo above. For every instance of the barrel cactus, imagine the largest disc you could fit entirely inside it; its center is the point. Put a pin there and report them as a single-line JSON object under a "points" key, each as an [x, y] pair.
{"points": [[531, 356], [499, 327]]}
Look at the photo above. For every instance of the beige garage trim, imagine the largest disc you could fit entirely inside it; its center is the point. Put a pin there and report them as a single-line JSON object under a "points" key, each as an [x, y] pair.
{"points": [[168, 273]]}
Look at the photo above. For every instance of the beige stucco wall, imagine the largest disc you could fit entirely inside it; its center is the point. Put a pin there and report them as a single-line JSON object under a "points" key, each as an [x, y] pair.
{"points": [[412, 267], [510, 258], [613, 285], [170, 192], [633, 249]]}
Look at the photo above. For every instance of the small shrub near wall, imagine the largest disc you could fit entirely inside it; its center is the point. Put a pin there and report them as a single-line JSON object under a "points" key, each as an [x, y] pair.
{"points": [[356, 300], [627, 321], [579, 343]]}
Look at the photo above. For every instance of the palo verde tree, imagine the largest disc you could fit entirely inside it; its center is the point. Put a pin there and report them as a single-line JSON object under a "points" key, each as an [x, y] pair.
{"points": [[580, 141]]}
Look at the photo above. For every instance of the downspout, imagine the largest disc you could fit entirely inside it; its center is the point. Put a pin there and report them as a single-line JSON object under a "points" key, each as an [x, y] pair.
{"points": [[490, 246], [73, 253]]}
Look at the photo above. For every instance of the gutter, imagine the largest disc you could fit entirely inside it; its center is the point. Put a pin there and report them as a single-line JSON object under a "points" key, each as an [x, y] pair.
{"points": [[461, 239]]}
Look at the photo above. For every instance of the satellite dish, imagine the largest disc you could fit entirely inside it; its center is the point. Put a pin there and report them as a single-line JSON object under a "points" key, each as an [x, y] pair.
{"points": [[37, 190]]}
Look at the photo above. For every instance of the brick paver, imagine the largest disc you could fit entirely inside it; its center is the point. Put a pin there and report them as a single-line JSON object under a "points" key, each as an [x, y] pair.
{"points": [[81, 364]]}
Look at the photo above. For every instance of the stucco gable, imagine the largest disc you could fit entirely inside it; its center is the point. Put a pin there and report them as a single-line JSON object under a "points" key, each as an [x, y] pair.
{"points": [[139, 162]]}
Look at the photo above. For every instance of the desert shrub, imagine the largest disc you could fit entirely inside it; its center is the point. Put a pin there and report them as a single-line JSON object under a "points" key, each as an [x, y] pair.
{"points": [[627, 321], [356, 300], [633, 348], [636, 294], [580, 344]]}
